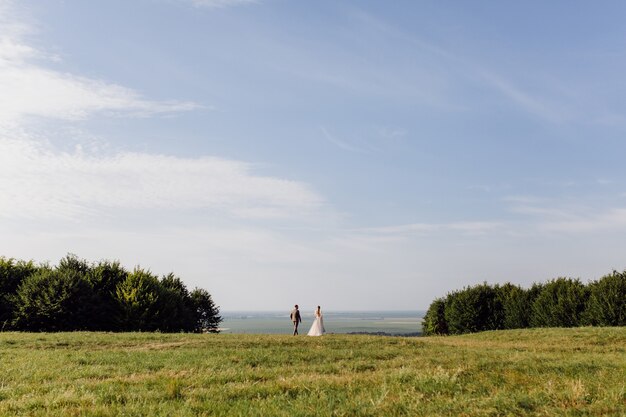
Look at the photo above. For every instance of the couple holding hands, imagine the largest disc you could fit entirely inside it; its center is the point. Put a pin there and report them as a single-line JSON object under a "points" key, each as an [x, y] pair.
{"points": [[317, 328]]}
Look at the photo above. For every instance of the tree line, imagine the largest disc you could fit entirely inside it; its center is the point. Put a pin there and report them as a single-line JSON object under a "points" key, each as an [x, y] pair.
{"points": [[102, 296], [561, 302]]}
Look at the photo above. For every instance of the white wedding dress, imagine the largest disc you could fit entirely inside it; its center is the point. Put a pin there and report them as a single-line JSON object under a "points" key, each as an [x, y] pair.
{"points": [[317, 328]]}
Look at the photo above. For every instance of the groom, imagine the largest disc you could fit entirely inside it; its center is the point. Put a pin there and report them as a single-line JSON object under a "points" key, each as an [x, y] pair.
{"points": [[295, 318]]}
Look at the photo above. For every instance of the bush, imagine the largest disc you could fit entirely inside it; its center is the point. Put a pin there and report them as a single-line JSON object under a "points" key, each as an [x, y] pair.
{"points": [[12, 273], [207, 318], [78, 295], [434, 322], [473, 309], [138, 297], [606, 305], [514, 301], [560, 303], [106, 311], [175, 306], [53, 300]]}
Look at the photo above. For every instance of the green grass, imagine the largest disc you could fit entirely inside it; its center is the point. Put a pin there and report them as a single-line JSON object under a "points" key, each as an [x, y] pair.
{"points": [[540, 372]]}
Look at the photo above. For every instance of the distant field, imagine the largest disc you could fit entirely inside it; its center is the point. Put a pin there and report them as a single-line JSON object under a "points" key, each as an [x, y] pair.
{"points": [[391, 322], [538, 372]]}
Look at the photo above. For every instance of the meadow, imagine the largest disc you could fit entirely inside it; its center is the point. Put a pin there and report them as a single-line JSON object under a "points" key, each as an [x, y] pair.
{"points": [[532, 372]]}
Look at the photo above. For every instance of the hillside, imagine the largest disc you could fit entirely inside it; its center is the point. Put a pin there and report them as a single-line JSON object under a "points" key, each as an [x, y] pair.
{"points": [[527, 372]]}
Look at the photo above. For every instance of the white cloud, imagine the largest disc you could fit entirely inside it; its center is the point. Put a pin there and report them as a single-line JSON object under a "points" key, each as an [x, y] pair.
{"points": [[612, 219], [37, 181], [554, 216], [29, 89], [470, 228]]}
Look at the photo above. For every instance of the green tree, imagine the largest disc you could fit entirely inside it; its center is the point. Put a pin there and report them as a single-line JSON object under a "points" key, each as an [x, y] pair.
{"points": [[515, 311], [73, 263], [473, 309], [12, 273], [606, 305], [53, 300], [138, 297], [175, 306], [560, 303], [207, 314], [104, 278], [434, 322]]}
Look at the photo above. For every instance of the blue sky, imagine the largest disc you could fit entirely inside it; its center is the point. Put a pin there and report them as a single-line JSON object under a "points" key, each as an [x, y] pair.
{"points": [[354, 155]]}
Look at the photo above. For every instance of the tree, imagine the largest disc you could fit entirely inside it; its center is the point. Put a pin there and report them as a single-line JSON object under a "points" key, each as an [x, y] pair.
{"points": [[138, 297], [53, 300], [104, 278], [514, 301], [473, 309], [12, 273], [434, 322], [560, 303], [175, 306], [207, 316], [607, 301]]}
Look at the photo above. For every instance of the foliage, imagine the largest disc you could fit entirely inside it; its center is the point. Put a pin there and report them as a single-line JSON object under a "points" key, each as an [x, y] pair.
{"points": [[434, 321], [560, 303], [105, 277], [176, 307], [12, 273], [53, 300], [138, 296], [607, 301], [473, 309], [78, 295], [514, 300], [207, 316]]}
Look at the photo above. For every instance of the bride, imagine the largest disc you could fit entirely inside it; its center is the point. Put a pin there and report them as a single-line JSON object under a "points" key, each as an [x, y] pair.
{"points": [[317, 329]]}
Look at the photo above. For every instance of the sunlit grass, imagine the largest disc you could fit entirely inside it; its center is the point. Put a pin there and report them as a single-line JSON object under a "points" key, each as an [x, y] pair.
{"points": [[551, 372]]}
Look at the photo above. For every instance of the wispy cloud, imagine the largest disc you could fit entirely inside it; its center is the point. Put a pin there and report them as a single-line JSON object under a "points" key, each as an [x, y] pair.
{"points": [[28, 88], [612, 219], [532, 103], [470, 228], [37, 181], [553, 216], [342, 144], [538, 92]]}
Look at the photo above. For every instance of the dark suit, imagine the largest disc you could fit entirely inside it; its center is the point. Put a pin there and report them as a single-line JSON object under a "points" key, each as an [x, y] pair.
{"points": [[296, 319]]}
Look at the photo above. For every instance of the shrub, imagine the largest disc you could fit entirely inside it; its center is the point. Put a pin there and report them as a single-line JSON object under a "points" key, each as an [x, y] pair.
{"points": [[514, 300], [12, 273], [138, 297], [175, 306], [106, 311], [78, 295], [606, 305], [473, 309], [53, 300], [560, 303], [207, 316], [435, 321]]}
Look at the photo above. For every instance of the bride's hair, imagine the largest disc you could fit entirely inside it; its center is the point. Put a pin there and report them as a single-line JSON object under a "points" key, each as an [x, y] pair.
{"points": [[318, 307]]}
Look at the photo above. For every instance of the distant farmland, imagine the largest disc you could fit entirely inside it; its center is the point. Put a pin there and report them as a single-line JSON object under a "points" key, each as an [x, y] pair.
{"points": [[390, 322]]}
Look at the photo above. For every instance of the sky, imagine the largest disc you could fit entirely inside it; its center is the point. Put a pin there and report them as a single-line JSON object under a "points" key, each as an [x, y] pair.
{"points": [[357, 155]]}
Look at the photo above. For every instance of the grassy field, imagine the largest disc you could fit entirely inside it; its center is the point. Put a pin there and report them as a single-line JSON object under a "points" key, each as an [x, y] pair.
{"points": [[542, 372]]}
